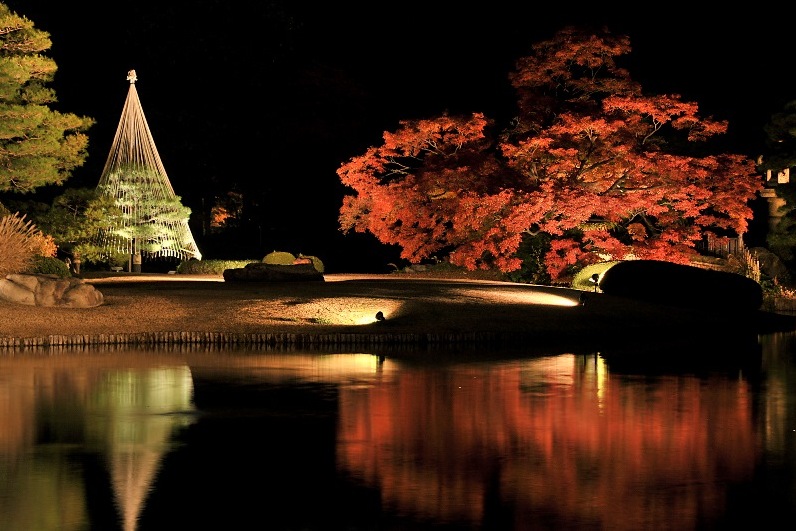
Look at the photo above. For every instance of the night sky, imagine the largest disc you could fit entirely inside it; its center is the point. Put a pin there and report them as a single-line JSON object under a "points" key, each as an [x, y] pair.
{"points": [[272, 97]]}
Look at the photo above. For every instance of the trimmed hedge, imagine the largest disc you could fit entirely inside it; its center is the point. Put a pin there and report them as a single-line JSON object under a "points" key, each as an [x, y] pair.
{"points": [[210, 267], [279, 258], [48, 265], [681, 285]]}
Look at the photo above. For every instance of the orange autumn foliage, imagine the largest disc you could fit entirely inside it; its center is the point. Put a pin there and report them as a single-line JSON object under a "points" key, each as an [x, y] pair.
{"points": [[591, 161]]}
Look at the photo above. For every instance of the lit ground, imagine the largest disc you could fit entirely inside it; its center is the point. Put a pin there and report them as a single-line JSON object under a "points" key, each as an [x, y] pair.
{"points": [[348, 304]]}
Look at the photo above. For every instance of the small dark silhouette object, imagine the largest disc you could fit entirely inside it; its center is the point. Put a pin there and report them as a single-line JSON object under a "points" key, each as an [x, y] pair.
{"points": [[379, 316], [595, 278]]}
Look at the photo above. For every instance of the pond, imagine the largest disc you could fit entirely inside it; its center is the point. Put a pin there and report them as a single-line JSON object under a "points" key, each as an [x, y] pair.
{"points": [[467, 438]]}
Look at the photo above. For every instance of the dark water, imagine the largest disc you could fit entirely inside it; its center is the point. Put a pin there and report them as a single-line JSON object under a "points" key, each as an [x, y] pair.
{"points": [[467, 439]]}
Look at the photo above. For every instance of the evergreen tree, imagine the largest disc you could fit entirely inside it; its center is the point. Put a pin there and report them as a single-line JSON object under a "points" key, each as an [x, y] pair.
{"points": [[141, 222], [74, 219], [780, 155], [38, 145], [780, 140]]}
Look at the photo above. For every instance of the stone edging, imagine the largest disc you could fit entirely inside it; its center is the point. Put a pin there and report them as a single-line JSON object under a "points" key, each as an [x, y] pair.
{"points": [[279, 339]]}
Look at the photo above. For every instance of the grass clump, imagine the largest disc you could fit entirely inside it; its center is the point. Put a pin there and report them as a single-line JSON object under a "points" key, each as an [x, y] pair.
{"points": [[20, 243]]}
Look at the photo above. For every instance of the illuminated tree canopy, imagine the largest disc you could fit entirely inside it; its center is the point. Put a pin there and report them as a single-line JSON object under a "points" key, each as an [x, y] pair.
{"points": [[590, 161]]}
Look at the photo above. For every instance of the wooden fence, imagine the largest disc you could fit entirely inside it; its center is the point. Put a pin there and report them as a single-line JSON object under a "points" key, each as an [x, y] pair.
{"points": [[723, 248]]}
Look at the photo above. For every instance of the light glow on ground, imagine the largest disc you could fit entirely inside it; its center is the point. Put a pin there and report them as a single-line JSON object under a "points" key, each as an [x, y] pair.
{"points": [[537, 295]]}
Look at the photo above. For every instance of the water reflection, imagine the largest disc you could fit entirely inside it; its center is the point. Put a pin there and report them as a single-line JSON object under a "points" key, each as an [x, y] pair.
{"points": [[311, 440], [55, 409], [549, 436]]}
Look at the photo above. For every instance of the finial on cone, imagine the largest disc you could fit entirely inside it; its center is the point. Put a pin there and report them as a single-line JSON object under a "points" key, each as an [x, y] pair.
{"points": [[131, 77]]}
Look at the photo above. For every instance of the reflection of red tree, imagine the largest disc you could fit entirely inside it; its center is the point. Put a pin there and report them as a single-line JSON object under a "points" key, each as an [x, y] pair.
{"points": [[554, 440], [17, 407], [26, 392]]}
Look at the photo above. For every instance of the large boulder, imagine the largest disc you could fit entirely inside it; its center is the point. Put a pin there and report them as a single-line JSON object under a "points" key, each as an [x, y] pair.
{"points": [[49, 290], [261, 272], [681, 285]]}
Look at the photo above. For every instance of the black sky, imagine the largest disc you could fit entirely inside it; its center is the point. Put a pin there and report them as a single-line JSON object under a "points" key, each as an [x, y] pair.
{"points": [[276, 95]]}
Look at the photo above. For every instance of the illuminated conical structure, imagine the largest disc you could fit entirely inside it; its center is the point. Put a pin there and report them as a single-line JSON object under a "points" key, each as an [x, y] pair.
{"points": [[152, 222]]}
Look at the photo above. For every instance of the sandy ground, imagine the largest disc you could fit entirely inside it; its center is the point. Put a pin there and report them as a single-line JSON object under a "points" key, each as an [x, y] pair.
{"points": [[348, 304]]}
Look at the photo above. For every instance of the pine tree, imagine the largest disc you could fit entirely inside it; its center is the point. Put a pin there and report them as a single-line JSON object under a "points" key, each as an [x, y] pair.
{"points": [[73, 220], [38, 145], [152, 223], [780, 157]]}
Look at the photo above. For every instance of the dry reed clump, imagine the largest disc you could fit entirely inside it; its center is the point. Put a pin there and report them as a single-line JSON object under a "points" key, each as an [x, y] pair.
{"points": [[20, 242]]}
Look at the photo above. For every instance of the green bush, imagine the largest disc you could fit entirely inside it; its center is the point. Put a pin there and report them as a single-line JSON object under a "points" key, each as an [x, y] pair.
{"points": [[316, 262], [117, 259], [217, 267], [583, 278], [48, 265], [104, 261], [279, 258], [531, 251], [210, 267]]}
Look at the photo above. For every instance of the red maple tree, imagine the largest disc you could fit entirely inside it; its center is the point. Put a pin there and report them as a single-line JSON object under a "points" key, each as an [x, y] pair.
{"points": [[602, 169]]}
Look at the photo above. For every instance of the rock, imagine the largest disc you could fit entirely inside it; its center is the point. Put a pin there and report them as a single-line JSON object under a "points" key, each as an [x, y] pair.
{"points": [[49, 290], [261, 272], [681, 285]]}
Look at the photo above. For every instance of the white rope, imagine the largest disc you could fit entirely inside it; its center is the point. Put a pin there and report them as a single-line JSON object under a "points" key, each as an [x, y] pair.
{"points": [[135, 177]]}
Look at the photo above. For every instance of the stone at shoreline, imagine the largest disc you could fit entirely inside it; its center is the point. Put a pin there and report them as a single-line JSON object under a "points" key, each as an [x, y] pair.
{"points": [[49, 290], [261, 272]]}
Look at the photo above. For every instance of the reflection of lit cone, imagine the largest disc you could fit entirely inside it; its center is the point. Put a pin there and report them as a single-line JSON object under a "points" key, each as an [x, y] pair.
{"points": [[138, 430], [132, 472]]}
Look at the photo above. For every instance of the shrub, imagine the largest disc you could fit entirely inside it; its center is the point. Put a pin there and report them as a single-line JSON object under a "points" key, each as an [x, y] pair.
{"points": [[532, 251], [210, 267], [316, 262], [48, 265], [103, 261], [583, 278], [682, 285], [279, 258], [20, 242], [116, 259]]}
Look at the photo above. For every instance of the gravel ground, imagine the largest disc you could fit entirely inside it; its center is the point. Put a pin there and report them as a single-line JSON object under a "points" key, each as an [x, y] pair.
{"points": [[141, 303]]}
